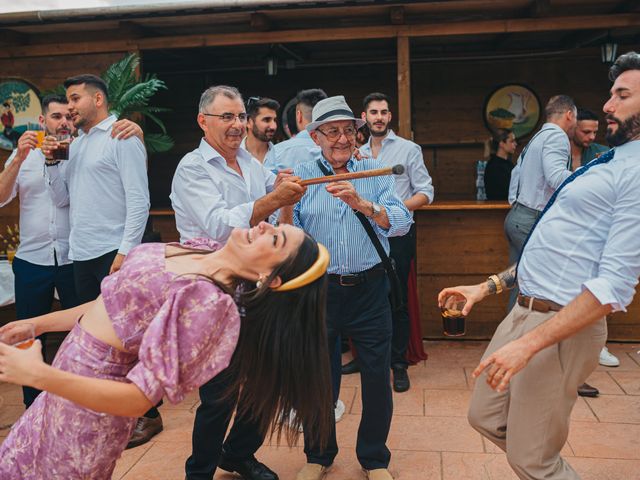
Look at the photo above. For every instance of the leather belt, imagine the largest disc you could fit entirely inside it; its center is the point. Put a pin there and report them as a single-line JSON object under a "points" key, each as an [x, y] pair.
{"points": [[353, 279], [538, 304]]}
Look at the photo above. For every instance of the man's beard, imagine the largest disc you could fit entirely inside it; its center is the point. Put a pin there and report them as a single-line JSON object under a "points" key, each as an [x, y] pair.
{"points": [[265, 136], [378, 134], [627, 130]]}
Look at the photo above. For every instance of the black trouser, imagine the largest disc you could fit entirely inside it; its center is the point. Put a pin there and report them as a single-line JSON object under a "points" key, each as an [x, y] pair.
{"points": [[363, 313], [209, 428], [88, 275], [403, 251], [34, 287]]}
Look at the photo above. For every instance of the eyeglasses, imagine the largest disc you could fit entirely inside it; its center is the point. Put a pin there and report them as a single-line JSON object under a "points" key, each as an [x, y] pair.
{"points": [[228, 117], [334, 134], [252, 100]]}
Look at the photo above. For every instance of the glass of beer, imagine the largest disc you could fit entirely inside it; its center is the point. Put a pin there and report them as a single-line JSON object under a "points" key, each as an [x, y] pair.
{"points": [[453, 322], [20, 336], [40, 134], [11, 253], [62, 150]]}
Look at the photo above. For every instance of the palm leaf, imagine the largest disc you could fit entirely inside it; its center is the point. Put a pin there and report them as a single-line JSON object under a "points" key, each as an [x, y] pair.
{"points": [[158, 142], [121, 76], [156, 120]]}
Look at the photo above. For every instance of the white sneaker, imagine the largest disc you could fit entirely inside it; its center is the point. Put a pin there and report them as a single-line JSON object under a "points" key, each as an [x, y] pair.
{"points": [[607, 359], [339, 410]]}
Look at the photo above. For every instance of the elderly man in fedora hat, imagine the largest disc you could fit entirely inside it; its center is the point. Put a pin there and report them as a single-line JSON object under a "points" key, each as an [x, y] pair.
{"points": [[358, 301]]}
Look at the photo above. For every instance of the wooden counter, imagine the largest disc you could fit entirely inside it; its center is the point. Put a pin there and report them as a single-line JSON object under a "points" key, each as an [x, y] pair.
{"points": [[458, 243], [463, 242]]}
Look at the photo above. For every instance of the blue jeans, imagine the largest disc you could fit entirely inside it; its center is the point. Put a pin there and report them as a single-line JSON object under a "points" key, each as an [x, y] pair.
{"points": [[34, 287]]}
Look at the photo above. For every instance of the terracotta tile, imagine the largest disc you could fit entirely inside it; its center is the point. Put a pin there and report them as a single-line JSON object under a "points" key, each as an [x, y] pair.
{"points": [[628, 381], [9, 414], [162, 461], [476, 466], [129, 458], [581, 411], [283, 460], [464, 354], [348, 397], [447, 403], [10, 394], [440, 377], [347, 431], [407, 465], [178, 426], [352, 380], [605, 440], [605, 383], [406, 403], [434, 434], [606, 468], [616, 408]]}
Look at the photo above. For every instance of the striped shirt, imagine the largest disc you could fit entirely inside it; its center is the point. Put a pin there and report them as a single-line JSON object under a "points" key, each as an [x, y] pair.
{"points": [[333, 223]]}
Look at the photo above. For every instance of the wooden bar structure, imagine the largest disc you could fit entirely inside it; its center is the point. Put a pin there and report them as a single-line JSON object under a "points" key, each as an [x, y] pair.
{"points": [[437, 59]]}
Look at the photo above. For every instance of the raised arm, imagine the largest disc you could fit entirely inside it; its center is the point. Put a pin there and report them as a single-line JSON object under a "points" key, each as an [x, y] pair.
{"points": [[9, 176]]}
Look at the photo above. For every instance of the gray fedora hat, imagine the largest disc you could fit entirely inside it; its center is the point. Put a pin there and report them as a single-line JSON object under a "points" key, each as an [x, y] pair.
{"points": [[330, 110]]}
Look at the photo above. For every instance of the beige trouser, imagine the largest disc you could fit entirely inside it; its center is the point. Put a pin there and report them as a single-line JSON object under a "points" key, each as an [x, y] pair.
{"points": [[530, 421]]}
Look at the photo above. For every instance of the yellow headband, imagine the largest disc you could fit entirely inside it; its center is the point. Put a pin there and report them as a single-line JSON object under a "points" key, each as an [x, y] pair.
{"points": [[316, 270]]}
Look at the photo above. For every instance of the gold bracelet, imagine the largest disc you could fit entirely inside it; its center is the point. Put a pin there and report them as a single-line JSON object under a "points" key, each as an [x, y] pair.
{"points": [[495, 279]]}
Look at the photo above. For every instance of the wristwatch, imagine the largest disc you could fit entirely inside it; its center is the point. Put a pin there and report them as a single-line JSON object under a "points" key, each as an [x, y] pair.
{"points": [[375, 209]]}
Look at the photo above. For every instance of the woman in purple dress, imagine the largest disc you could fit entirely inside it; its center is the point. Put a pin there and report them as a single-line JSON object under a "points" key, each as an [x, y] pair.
{"points": [[167, 322]]}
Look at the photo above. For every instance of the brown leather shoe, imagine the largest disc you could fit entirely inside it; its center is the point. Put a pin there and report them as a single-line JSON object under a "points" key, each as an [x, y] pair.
{"points": [[378, 474], [146, 429], [586, 390]]}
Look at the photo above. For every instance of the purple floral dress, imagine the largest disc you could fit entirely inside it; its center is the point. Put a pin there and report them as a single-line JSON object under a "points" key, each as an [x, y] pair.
{"points": [[179, 331]]}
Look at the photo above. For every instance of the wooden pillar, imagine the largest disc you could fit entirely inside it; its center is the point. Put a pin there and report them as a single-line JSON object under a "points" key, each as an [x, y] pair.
{"points": [[404, 89]]}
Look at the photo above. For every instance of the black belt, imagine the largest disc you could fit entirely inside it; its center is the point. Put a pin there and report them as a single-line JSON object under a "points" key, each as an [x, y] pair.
{"points": [[353, 279]]}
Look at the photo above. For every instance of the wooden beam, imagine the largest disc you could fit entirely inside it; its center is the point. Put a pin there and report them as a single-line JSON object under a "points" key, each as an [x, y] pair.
{"points": [[404, 88], [330, 34], [396, 15], [260, 22], [133, 29], [540, 8], [11, 37]]}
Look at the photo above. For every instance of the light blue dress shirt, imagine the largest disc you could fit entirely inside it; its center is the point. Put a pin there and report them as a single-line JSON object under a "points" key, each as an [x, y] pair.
{"points": [[106, 187], [288, 154], [590, 237], [269, 158], [210, 199], [396, 150], [546, 164], [333, 223]]}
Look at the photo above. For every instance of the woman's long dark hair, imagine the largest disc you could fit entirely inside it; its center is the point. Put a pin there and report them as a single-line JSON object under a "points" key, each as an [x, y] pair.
{"points": [[281, 362]]}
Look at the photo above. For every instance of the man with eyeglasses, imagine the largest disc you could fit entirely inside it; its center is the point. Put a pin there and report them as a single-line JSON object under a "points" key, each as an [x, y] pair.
{"points": [[358, 292], [217, 187], [262, 123]]}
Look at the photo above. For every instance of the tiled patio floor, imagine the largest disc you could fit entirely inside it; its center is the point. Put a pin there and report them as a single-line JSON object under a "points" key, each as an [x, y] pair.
{"points": [[430, 438]]}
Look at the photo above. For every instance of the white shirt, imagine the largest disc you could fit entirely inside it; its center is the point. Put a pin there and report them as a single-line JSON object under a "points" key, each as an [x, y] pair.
{"points": [[299, 149], [210, 199], [590, 237], [105, 183], [269, 159], [44, 227], [397, 150], [546, 164]]}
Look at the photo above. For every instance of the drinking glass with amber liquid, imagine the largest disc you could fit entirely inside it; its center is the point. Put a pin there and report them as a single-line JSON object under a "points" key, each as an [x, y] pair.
{"points": [[453, 321], [20, 336]]}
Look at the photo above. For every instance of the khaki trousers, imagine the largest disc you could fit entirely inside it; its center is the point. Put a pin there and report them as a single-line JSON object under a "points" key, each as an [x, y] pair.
{"points": [[530, 420]]}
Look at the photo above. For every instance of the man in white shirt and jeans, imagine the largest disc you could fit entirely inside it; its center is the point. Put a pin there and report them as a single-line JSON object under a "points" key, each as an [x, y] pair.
{"points": [[105, 184], [217, 187], [42, 264], [580, 263]]}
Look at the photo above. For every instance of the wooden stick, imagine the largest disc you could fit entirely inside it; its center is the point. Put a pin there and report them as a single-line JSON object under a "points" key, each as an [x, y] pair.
{"points": [[395, 170]]}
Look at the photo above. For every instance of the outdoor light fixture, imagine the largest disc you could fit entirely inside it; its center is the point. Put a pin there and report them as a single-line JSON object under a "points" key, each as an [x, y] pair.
{"points": [[271, 66], [608, 51]]}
